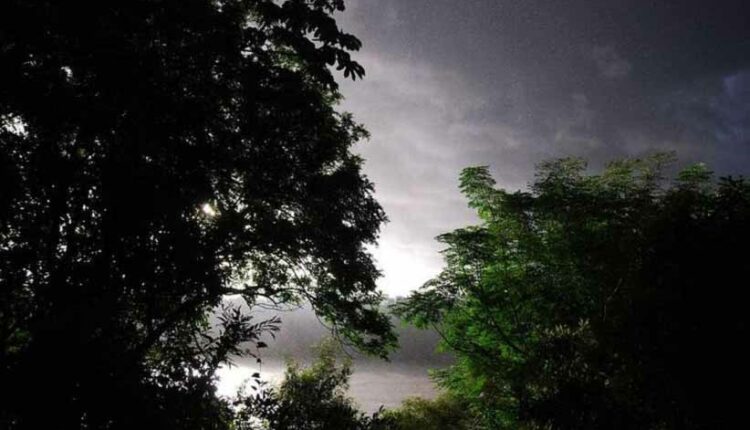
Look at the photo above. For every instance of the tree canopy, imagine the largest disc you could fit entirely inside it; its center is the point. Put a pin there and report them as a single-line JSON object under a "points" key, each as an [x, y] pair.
{"points": [[156, 156], [444, 412], [612, 300]]}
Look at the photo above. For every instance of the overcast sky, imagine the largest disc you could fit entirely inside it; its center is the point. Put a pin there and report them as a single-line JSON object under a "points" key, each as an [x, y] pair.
{"points": [[453, 83]]}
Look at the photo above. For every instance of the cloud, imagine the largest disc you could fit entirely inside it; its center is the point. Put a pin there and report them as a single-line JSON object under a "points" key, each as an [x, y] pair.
{"points": [[426, 125], [428, 122], [732, 109], [491, 91], [576, 127], [610, 63]]}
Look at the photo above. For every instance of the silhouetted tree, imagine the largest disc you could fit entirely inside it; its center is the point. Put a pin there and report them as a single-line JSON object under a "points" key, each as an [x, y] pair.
{"points": [[155, 156], [611, 301]]}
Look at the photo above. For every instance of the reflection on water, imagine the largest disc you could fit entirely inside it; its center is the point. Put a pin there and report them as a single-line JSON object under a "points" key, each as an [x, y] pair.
{"points": [[371, 385]]}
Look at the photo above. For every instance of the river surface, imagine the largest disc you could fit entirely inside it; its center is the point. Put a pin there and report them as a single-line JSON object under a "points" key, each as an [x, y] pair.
{"points": [[372, 384]]}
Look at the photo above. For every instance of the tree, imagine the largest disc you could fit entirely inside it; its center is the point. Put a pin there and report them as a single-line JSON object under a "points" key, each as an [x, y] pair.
{"points": [[597, 301], [156, 156], [308, 398], [443, 412]]}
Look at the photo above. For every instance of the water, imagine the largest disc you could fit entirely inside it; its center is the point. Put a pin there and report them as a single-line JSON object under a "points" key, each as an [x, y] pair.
{"points": [[372, 384]]}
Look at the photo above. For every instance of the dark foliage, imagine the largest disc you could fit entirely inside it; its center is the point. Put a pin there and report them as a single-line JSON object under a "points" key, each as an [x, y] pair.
{"points": [[155, 156], [610, 301], [445, 412]]}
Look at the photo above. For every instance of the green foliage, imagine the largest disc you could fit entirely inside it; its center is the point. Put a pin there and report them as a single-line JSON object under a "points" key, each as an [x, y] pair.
{"points": [[156, 156], [308, 399], [443, 413], [613, 300]]}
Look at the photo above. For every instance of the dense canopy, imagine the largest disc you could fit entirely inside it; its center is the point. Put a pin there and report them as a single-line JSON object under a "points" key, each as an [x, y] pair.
{"points": [[155, 156], [613, 300]]}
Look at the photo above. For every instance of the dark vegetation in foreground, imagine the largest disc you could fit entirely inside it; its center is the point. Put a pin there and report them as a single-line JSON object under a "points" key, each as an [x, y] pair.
{"points": [[159, 155], [156, 156]]}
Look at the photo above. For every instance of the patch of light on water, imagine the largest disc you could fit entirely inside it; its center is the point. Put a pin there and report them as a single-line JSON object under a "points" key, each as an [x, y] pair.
{"points": [[371, 385], [231, 379]]}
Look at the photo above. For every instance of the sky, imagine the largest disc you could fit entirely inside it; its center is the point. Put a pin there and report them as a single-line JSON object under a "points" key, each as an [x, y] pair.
{"points": [[455, 83]]}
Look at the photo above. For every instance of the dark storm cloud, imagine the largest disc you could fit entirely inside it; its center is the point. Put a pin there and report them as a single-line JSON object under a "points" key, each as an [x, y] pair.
{"points": [[510, 83]]}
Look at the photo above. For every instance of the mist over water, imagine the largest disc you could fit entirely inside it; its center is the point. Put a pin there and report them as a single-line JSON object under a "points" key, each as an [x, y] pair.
{"points": [[374, 382], [372, 385]]}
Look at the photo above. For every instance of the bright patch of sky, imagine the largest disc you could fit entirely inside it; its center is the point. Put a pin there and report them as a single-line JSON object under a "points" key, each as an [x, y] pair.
{"points": [[509, 84]]}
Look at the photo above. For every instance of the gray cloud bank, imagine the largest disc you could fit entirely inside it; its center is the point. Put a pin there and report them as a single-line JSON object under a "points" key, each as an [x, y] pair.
{"points": [[509, 84]]}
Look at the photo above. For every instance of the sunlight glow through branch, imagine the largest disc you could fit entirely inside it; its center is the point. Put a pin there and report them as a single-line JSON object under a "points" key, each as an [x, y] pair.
{"points": [[208, 210]]}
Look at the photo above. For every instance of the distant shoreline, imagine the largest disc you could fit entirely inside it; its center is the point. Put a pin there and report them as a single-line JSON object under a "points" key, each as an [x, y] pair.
{"points": [[373, 384]]}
